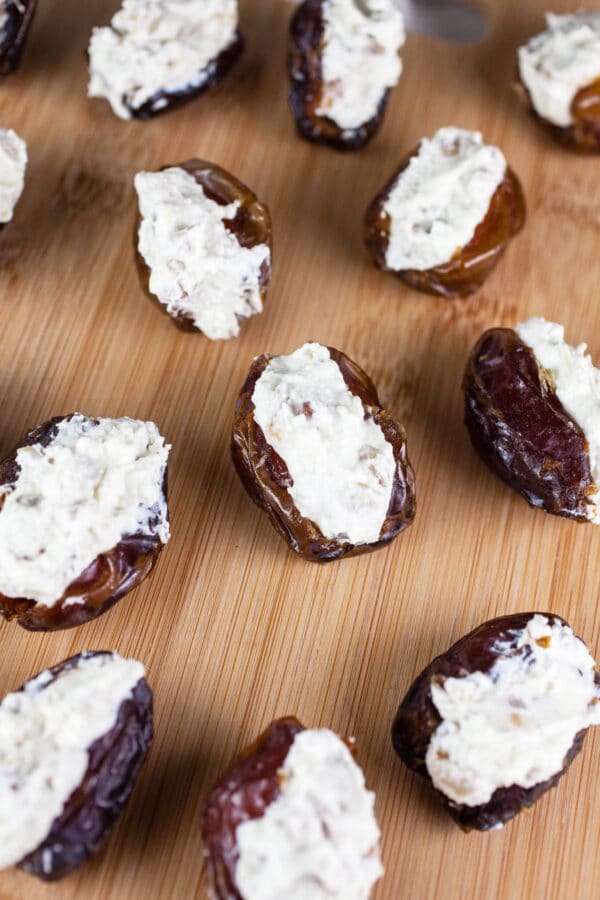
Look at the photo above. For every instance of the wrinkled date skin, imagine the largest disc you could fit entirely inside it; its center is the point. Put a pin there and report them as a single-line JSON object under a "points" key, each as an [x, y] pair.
{"points": [[244, 793], [520, 428], [306, 84], [14, 33], [251, 224], [466, 272], [164, 101], [584, 134], [265, 476], [94, 807], [108, 578], [417, 719]]}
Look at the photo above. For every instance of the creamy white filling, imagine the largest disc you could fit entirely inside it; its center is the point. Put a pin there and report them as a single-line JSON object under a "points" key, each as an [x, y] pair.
{"points": [[319, 839], [340, 462], [359, 60], [97, 481], [197, 266], [576, 383], [557, 63], [45, 733], [153, 46], [441, 197], [515, 723], [13, 162]]}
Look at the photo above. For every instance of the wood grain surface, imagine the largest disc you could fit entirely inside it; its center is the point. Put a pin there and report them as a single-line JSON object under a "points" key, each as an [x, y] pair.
{"points": [[233, 628]]}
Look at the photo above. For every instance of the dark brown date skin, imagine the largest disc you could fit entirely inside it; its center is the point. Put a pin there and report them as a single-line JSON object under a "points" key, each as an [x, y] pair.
{"points": [[520, 428], [244, 793], [265, 476], [108, 578], [466, 272], [306, 84], [583, 135], [418, 718], [251, 225], [165, 101], [95, 805], [14, 34]]}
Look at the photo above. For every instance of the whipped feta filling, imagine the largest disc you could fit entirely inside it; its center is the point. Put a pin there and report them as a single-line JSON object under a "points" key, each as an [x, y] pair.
{"points": [[96, 482], [515, 723], [559, 62], [197, 266], [156, 46], [440, 198], [576, 383], [45, 733], [359, 59], [341, 465], [319, 839], [13, 162]]}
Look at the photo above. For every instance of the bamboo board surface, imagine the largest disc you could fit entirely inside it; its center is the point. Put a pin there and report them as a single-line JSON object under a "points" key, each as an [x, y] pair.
{"points": [[233, 628]]}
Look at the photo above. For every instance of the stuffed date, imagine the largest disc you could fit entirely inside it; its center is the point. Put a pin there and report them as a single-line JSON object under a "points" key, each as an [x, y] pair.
{"points": [[445, 218], [72, 742], [83, 518], [316, 451], [495, 721], [292, 813]]}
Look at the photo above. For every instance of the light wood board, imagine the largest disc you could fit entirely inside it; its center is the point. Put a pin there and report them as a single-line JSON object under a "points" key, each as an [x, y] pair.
{"points": [[233, 628]]}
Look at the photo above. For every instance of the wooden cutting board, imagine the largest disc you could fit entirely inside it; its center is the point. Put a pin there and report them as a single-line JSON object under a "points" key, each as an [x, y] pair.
{"points": [[233, 628]]}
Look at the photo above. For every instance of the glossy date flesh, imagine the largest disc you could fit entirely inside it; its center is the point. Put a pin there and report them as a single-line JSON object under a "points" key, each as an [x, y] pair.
{"points": [[244, 792], [14, 34], [520, 429]]}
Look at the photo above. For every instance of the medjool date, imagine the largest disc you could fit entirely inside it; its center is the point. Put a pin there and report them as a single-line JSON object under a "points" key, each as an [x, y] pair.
{"points": [[495, 721], [73, 741], [321, 456]]}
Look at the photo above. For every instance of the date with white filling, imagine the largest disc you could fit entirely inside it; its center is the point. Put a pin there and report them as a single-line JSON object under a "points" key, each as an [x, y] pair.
{"points": [[559, 71], [532, 409], [83, 518], [72, 742], [157, 54], [16, 17], [343, 61], [292, 818], [314, 449], [13, 163], [446, 216], [495, 721], [203, 246]]}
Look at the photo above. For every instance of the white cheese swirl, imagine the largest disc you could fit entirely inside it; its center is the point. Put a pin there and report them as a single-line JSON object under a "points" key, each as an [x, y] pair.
{"points": [[359, 60], [559, 62], [96, 482], [515, 723], [439, 199], [13, 163], [198, 268], [341, 465], [46, 731], [156, 46], [319, 839]]}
